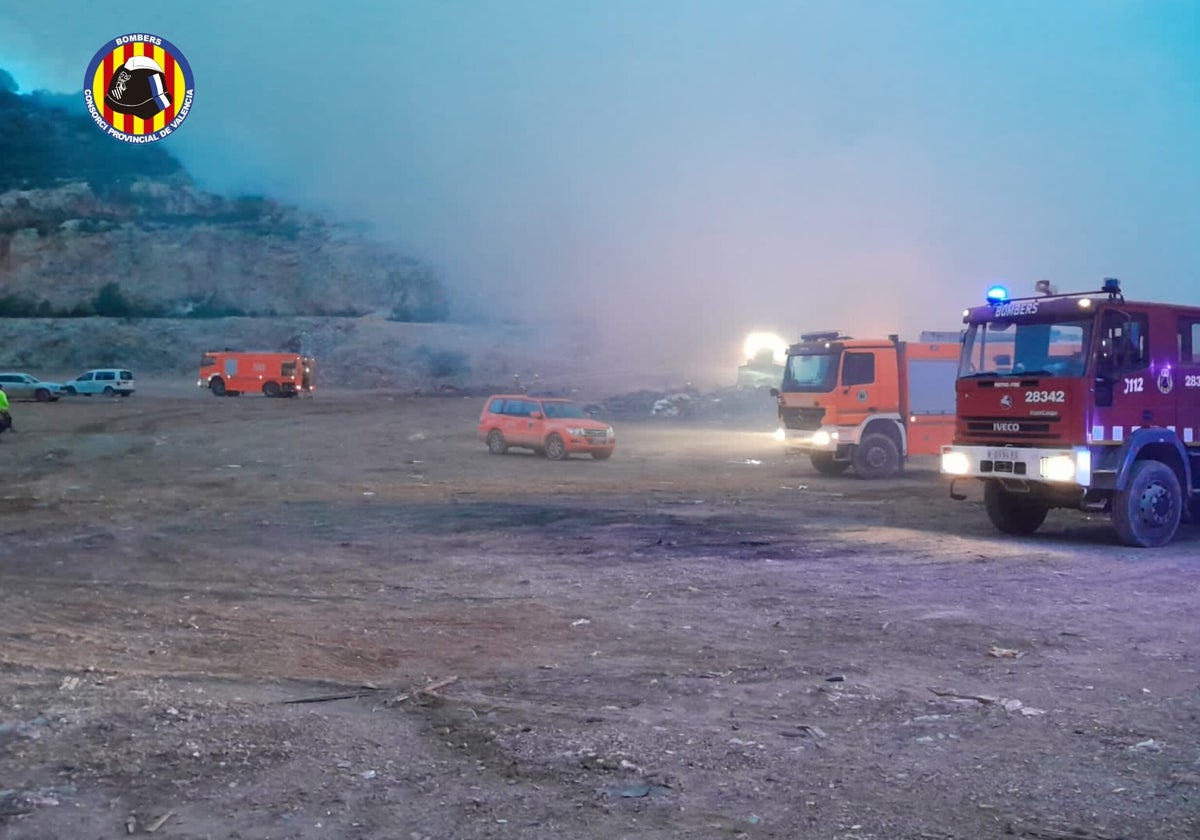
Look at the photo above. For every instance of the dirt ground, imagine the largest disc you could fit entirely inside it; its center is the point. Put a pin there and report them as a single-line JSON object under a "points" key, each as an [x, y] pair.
{"points": [[699, 638]]}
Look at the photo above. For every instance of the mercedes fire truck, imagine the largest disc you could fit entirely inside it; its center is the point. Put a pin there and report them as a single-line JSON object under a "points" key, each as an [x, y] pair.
{"points": [[1081, 401], [867, 403]]}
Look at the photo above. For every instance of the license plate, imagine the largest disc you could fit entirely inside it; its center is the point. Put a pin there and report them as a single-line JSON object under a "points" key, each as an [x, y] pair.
{"points": [[1003, 455]]}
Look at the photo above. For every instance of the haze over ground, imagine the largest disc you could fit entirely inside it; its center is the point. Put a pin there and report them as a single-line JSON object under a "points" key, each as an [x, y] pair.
{"points": [[683, 172]]}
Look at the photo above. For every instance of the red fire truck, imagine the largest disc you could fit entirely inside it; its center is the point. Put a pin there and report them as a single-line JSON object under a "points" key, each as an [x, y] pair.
{"points": [[229, 373], [1081, 401]]}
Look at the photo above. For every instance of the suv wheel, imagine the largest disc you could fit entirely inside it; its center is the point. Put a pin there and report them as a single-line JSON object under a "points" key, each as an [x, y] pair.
{"points": [[556, 450], [109, 391], [495, 442]]}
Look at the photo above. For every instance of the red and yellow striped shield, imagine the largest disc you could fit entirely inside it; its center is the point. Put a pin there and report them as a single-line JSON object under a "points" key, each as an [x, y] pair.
{"points": [[139, 87]]}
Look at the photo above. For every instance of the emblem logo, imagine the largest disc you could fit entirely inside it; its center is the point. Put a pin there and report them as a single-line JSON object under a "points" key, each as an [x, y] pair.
{"points": [[138, 88], [1006, 401], [1165, 382]]}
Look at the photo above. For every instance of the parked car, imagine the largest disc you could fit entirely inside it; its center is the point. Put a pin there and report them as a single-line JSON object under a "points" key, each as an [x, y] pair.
{"points": [[26, 386], [107, 381], [556, 427]]}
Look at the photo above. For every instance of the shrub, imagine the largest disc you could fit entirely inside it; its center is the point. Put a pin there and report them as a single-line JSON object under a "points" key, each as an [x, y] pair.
{"points": [[443, 364], [110, 302]]}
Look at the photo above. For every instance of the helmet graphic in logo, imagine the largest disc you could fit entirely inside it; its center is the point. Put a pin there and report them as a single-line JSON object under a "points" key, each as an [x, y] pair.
{"points": [[1006, 401], [1165, 382], [138, 88]]}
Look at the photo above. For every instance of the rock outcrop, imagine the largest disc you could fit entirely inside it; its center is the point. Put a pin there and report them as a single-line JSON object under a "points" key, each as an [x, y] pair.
{"points": [[79, 211]]}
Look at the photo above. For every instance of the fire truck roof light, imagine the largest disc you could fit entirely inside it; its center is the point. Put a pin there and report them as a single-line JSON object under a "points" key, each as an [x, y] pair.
{"points": [[997, 294], [1111, 286]]}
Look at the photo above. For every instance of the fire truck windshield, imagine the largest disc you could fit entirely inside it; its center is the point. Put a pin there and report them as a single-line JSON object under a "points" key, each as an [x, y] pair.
{"points": [[811, 372], [1026, 347]]}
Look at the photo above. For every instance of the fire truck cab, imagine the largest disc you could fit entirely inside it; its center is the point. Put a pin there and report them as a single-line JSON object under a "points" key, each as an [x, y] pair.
{"points": [[1082, 401], [867, 403], [229, 373]]}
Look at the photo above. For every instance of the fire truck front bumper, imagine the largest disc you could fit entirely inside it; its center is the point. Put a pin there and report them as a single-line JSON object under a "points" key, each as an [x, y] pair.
{"points": [[1063, 467], [824, 439]]}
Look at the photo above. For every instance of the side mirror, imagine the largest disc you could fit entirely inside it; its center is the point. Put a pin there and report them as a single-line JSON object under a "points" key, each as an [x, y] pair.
{"points": [[536, 415], [774, 392]]}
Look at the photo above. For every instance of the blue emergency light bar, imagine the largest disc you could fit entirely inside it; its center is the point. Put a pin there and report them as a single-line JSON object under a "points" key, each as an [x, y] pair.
{"points": [[997, 294]]}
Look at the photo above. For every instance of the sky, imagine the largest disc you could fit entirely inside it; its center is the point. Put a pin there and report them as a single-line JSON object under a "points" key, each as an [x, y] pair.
{"points": [[670, 174]]}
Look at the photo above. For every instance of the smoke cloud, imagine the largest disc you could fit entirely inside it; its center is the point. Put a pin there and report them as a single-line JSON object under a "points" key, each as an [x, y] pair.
{"points": [[668, 176]]}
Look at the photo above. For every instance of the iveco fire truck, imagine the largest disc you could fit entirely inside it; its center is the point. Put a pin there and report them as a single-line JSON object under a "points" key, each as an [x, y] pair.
{"points": [[867, 403], [1082, 401]]}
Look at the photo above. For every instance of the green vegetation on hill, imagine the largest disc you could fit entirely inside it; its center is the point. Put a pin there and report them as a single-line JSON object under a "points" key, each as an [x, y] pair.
{"points": [[43, 146]]}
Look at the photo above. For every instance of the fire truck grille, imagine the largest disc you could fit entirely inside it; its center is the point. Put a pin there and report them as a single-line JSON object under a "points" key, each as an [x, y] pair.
{"points": [[991, 428], [802, 419]]}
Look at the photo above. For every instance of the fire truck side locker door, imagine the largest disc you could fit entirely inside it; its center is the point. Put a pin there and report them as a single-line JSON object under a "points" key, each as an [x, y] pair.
{"points": [[1142, 352]]}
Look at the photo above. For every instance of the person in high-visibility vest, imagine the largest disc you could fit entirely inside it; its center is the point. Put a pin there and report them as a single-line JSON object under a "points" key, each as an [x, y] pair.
{"points": [[5, 417]]}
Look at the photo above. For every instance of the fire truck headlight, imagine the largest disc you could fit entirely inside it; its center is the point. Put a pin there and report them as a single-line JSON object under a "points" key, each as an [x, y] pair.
{"points": [[779, 434], [1076, 467], [822, 438], [1058, 468], [955, 463]]}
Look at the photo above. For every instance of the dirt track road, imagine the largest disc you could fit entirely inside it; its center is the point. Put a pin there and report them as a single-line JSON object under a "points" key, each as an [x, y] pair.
{"points": [[698, 638]]}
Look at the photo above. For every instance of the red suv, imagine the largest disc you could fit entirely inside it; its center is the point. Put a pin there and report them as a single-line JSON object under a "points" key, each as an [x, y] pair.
{"points": [[554, 426]]}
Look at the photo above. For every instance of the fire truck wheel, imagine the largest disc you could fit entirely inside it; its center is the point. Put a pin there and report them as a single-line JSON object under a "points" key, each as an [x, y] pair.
{"points": [[271, 388], [876, 456], [556, 450], [1013, 513], [824, 463], [495, 442], [217, 386], [1146, 513]]}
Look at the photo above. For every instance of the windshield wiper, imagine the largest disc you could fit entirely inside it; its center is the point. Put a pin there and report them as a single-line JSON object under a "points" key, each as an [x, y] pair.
{"points": [[979, 375]]}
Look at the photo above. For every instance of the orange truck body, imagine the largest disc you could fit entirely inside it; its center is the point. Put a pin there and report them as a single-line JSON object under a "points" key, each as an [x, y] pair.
{"points": [[229, 373], [841, 395]]}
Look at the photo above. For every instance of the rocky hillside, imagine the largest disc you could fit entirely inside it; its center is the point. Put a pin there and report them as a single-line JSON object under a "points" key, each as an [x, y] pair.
{"points": [[90, 226]]}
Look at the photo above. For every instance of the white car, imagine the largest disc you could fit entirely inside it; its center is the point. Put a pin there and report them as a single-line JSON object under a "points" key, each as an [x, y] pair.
{"points": [[25, 386], [107, 381]]}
